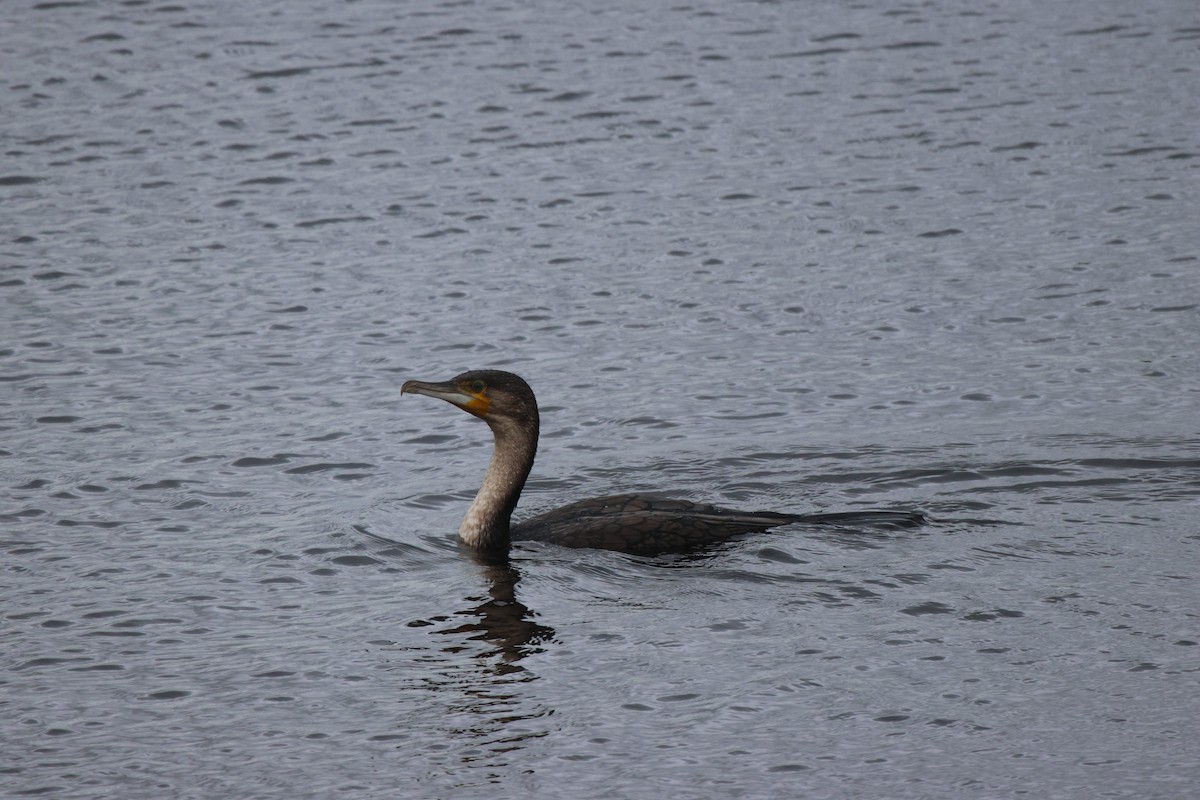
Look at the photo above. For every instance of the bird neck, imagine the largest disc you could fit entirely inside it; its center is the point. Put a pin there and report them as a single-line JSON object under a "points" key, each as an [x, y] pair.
{"points": [[486, 525]]}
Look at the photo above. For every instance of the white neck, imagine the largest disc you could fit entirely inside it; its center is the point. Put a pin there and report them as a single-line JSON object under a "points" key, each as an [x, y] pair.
{"points": [[486, 523]]}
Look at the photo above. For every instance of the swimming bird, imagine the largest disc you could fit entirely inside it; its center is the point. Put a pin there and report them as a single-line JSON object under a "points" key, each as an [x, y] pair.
{"points": [[639, 524]]}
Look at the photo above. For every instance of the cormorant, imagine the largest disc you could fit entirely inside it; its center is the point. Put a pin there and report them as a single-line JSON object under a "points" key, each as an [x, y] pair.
{"points": [[631, 523]]}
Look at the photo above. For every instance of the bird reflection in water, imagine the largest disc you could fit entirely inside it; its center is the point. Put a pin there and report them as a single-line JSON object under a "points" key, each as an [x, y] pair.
{"points": [[498, 618], [501, 619]]}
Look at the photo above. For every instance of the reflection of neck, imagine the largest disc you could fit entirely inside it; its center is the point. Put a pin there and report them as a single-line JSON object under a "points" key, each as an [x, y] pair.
{"points": [[503, 620], [486, 524]]}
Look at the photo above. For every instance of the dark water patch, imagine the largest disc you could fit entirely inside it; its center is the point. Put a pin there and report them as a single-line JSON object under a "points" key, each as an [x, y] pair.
{"points": [[1097, 31], [323, 467], [1140, 151], [568, 97], [290, 72], [833, 37], [355, 561], [779, 556], [993, 615], [99, 668], [1019, 146], [1125, 464], [823, 51], [431, 438], [165, 483], [328, 437], [649, 422], [950, 566], [19, 180], [317, 223], [858, 592], [104, 614], [37, 663], [269, 180], [928, 607], [141, 623], [366, 123], [441, 232], [910, 45], [24, 513], [88, 523], [589, 115], [266, 461]]}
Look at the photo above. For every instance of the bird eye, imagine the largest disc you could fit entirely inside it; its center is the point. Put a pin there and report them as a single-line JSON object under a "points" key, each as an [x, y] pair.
{"points": [[477, 387]]}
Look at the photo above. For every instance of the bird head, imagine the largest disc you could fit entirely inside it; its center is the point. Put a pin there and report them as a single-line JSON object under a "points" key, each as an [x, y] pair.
{"points": [[489, 394]]}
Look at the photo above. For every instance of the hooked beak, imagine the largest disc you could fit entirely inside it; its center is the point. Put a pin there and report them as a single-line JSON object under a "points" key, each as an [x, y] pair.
{"points": [[472, 402]]}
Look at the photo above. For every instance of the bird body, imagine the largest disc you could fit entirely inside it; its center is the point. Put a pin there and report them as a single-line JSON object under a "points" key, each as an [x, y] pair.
{"points": [[643, 524], [631, 523]]}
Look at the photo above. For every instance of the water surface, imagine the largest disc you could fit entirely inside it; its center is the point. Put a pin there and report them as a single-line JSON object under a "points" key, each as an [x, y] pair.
{"points": [[787, 256]]}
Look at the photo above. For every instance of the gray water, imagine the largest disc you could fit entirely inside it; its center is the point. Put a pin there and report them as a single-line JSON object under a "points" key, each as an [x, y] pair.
{"points": [[798, 256]]}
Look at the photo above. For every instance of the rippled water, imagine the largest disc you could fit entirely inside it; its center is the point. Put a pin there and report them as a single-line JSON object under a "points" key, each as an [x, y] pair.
{"points": [[777, 255]]}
